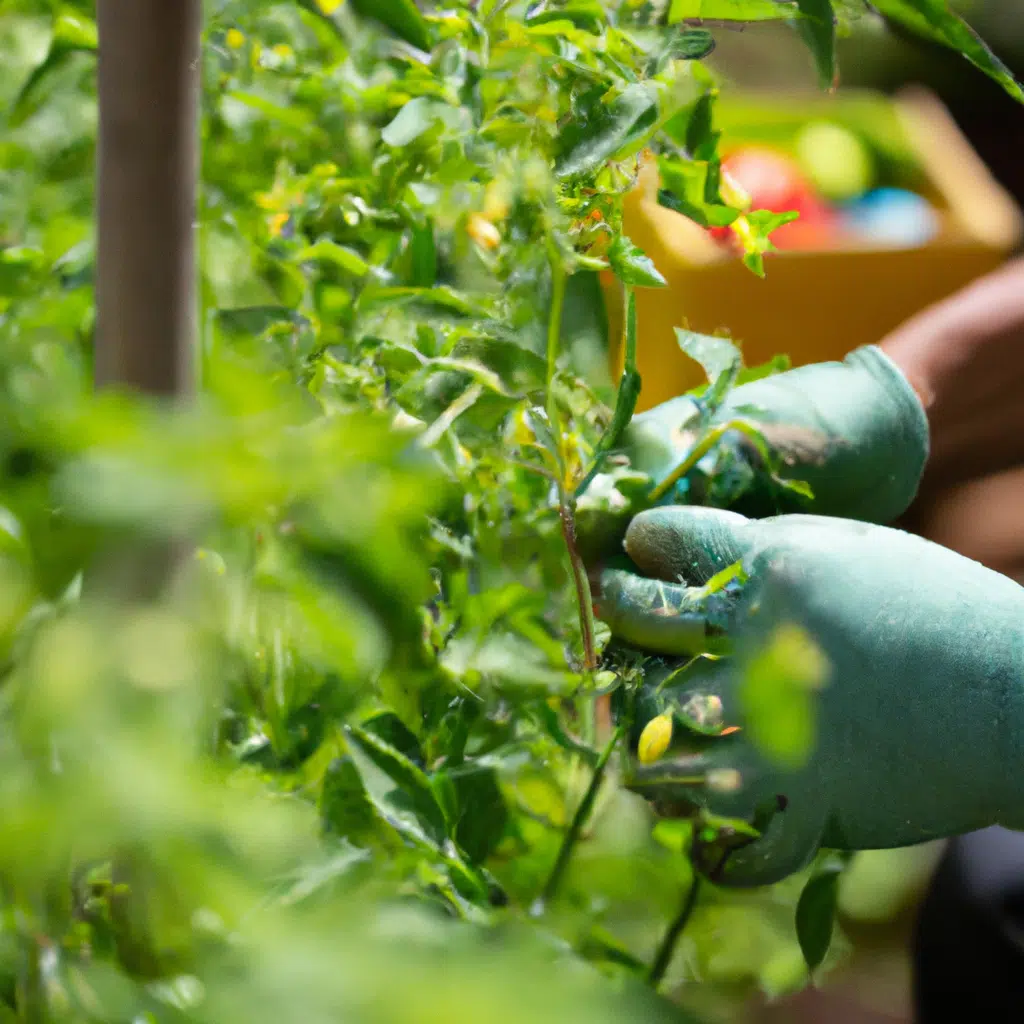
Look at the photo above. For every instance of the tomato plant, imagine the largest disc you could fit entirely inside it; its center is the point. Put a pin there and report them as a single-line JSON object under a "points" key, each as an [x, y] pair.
{"points": [[362, 732]]}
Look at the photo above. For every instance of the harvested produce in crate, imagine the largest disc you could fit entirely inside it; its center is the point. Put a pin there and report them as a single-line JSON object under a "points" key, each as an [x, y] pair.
{"points": [[893, 217], [835, 160]]}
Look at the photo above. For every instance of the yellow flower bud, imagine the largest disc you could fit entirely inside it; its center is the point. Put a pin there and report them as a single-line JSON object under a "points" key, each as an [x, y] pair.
{"points": [[234, 39], [277, 223], [483, 232], [655, 739]]}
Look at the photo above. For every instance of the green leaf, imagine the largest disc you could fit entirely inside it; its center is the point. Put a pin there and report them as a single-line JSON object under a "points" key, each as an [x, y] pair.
{"points": [[685, 189], [511, 664], [422, 256], [345, 808], [549, 721], [757, 239], [935, 21], [72, 33], [587, 14], [606, 130], [557, 27], [403, 17], [75, 31], [295, 117], [729, 10], [692, 44], [815, 914], [522, 370], [391, 729], [441, 296], [632, 265], [327, 251], [398, 788], [777, 694], [482, 814], [415, 118], [720, 359], [777, 364], [254, 320], [818, 28], [18, 265]]}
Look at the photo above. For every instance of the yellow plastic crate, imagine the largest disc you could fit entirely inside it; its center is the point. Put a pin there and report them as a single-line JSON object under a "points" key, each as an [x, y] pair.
{"points": [[814, 305]]}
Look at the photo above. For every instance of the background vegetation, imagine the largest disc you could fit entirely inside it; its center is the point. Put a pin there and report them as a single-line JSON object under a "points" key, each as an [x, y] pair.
{"points": [[342, 761]]}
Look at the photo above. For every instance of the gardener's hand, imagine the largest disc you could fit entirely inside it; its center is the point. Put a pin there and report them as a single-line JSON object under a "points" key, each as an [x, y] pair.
{"points": [[920, 718], [854, 431]]}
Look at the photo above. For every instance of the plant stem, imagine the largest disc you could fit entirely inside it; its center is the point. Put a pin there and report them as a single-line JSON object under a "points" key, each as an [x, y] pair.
{"points": [[566, 503], [668, 943], [706, 443], [436, 430], [554, 338], [579, 820], [626, 398], [584, 599]]}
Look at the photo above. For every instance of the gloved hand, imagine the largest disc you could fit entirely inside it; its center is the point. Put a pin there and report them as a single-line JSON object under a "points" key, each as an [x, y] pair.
{"points": [[920, 722], [855, 431]]}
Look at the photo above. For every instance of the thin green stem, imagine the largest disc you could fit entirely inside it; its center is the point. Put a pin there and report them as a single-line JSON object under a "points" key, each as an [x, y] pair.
{"points": [[579, 820], [566, 503], [699, 450], [436, 430], [667, 947], [554, 338], [581, 582], [627, 396]]}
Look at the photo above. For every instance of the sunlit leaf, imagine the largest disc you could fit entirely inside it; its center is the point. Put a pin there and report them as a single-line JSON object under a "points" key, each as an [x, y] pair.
{"points": [[327, 251], [402, 17], [730, 10], [416, 117], [936, 21], [632, 265], [610, 129]]}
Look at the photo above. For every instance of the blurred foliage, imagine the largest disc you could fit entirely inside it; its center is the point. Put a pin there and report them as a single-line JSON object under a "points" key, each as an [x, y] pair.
{"points": [[349, 730]]}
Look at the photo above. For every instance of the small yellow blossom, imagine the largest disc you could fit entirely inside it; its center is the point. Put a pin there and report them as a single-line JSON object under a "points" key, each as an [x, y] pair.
{"points": [[483, 232], [277, 224], [234, 39], [655, 739]]}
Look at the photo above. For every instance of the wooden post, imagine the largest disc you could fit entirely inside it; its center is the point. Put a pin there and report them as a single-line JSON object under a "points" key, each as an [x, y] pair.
{"points": [[147, 170]]}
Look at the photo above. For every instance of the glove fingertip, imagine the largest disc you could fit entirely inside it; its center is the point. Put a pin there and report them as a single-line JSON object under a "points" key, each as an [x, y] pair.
{"points": [[685, 543]]}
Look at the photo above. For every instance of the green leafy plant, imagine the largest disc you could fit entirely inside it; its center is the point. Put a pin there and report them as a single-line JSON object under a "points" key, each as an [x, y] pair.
{"points": [[363, 727]]}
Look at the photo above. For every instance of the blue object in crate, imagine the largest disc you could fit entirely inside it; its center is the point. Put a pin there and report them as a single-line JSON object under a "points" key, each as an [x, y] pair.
{"points": [[892, 217]]}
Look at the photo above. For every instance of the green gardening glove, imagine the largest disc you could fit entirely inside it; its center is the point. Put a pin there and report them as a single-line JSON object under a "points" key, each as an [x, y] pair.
{"points": [[854, 431], [919, 719]]}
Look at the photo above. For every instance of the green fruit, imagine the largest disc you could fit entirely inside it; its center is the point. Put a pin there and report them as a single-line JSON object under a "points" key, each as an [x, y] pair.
{"points": [[835, 160]]}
